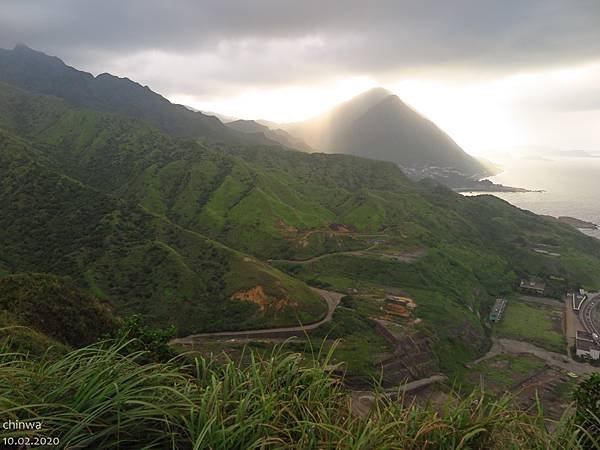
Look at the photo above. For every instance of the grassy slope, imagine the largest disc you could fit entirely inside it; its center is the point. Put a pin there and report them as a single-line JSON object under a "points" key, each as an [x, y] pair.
{"points": [[503, 372], [531, 323], [55, 311], [139, 261], [446, 292], [96, 397]]}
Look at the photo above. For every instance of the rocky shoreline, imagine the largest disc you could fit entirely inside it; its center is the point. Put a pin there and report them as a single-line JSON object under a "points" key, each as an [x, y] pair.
{"points": [[488, 186], [578, 223]]}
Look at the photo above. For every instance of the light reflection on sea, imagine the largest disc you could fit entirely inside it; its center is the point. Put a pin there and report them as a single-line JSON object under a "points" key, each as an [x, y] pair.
{"points": [[571, 187]]}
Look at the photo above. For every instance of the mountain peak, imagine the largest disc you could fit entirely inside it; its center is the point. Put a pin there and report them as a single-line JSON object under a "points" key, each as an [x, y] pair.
{"points": [[23, 49], [20, 47], [370, 97], [377, 124], [377, 91], [26, 55]]}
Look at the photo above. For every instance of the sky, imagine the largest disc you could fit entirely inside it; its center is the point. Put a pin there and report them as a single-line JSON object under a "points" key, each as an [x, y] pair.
{"points": [[495, 75]]}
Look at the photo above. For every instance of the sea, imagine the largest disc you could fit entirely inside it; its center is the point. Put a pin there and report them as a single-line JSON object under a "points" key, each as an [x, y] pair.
{"points": [[570, 185]]}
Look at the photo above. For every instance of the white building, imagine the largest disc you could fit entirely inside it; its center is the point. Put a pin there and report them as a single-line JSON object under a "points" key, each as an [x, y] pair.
{"points": [[586, 346]]}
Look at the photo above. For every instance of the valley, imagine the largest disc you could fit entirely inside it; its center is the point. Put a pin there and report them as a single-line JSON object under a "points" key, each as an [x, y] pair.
{"points": [[278, 219]]}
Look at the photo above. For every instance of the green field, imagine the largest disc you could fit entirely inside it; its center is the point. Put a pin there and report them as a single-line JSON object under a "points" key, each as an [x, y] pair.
{"points": [[531, 323], [501, 372]]}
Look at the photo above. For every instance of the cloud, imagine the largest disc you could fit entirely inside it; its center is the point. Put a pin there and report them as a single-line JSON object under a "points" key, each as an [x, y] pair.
{"points": [[570, 90], [511, 66], [214, 47]]}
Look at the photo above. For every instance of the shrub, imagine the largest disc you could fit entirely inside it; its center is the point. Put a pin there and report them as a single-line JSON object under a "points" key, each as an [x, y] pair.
{"points": [[102, 397]]}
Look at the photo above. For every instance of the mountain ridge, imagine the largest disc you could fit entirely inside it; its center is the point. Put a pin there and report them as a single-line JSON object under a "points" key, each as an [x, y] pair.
{"points": [[274, 133], [44, 74]]}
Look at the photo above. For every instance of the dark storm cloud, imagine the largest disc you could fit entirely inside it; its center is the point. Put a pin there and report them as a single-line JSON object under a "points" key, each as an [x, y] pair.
{"points": [[208, 46]]}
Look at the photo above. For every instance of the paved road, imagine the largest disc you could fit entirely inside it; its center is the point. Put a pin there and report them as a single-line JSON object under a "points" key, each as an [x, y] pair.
{"points": [[332, 298], [572, 323], [587, 311], [511, 346]]}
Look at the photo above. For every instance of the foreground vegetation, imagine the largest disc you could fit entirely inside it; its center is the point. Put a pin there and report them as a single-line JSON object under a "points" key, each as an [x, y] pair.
{"points": [[100, 396]]}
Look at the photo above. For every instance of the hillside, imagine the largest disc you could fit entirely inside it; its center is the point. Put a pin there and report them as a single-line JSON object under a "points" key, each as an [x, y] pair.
{"points": [[378, 125], [124, 254], [275, 134], [38, 72], [54, 310]]}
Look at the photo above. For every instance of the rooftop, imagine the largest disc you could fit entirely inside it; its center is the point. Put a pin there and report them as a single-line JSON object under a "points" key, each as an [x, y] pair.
{"points": [[586, 345], [584, 335], [497, 309], [498, 305], [532, 284]]}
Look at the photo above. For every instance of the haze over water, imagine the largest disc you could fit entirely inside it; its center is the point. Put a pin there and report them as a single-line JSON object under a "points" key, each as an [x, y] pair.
{"points": [[571, 185]]}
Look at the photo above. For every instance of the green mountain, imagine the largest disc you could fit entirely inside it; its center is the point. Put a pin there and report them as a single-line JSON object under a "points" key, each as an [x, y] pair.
{"points": [[54, 310], [125, 254], [148, 221], [275, 134], [38, 72], [378, 125]]}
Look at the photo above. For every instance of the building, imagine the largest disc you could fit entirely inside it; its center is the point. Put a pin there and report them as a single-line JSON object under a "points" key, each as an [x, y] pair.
{"points": [[578, 298], [532, 287], [497, 310], [399, 306], [396, 310], [586, 346], [402, 301]]}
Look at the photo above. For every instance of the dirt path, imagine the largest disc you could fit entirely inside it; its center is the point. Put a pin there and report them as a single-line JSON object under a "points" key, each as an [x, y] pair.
{"points": [[324, 255], [552, 302], [405, 256], [572, 323], [332, 298], [503, 346]]}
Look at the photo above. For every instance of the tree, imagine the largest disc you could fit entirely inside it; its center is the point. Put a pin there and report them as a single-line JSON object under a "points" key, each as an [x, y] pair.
{"points": [[587, 401], [155, 342]]}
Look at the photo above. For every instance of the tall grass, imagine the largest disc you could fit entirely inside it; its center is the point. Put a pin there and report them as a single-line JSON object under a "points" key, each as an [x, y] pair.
{"points": [[97, 397]]}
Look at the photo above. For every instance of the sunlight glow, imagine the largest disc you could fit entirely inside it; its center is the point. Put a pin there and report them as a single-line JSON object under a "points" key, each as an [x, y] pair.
{"points": [[484, 117], [476, 116], [288, 104]]}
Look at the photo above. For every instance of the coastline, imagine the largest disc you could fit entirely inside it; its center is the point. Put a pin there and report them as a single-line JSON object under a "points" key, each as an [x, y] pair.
{"points": [[494, 188], [485, 185], [578, 223]]}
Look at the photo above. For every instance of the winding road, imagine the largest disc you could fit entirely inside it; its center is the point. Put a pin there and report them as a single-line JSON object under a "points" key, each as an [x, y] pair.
{"points": [[331, 298], [587, 312], [405, 256], [324, 255]]}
